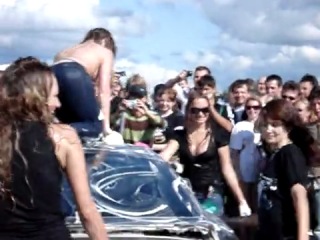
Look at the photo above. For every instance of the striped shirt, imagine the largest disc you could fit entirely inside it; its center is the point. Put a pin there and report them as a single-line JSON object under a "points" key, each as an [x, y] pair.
{"points": [[140, 129]]}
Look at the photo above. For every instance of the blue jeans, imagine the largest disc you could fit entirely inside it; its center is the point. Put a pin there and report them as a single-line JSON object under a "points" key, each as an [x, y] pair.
{"points": [[79, 106]]}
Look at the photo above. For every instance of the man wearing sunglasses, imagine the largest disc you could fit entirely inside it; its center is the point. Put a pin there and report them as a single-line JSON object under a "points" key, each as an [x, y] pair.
{"points": [[206, 86], [290, 91]]}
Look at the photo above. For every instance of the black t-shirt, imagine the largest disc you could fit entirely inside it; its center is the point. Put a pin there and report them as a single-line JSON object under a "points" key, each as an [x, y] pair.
{"points": [[114, 104], [285, 168], [222, 110], [176, 119], [204, 169]]}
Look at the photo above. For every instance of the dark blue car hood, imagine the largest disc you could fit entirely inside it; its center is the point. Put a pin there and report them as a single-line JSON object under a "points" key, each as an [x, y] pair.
{"points": [[133, 186]]}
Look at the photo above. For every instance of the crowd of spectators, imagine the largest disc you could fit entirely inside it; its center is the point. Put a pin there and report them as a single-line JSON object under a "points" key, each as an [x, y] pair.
{"points": [[226, 144], [255, 151]]}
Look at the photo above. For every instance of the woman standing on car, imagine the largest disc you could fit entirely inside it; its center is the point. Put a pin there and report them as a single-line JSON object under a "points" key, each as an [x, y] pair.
{"points": [[203, 150], [32, 154], [78, 70], [283, 203]]}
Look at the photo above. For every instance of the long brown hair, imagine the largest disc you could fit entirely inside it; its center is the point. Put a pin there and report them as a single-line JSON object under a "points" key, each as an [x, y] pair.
{"points": [[286, 113], [102, 37], [24, 90]]}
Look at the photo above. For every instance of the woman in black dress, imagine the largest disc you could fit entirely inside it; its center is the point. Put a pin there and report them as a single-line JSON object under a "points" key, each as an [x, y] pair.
{"points": [[33, 154], [204, 152]]}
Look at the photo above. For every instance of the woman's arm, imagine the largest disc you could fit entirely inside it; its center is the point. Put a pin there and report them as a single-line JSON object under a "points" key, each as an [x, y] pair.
{"points": [[229, 173], [105, 75], [171, 148], [223, 122], [159, 147], [301, 205], [71, 157]]}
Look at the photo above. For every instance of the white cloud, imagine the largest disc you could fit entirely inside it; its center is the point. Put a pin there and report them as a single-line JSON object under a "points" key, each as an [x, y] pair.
{"points": [[153, 73], [275, 21], [44, 27], [7, 3], [217, 60], [4, 66], [259, 38]]}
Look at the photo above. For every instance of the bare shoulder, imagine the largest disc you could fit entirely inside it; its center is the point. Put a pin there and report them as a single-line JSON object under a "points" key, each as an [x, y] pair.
{"points": [[105, 53], [63, 134]]}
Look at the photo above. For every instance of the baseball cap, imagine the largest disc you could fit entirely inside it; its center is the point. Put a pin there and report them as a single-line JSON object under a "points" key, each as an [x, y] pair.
{"points": [[137, 91]]}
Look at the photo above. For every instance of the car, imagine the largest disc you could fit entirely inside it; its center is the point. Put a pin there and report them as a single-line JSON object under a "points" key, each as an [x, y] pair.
{"points": [[141, 197]]}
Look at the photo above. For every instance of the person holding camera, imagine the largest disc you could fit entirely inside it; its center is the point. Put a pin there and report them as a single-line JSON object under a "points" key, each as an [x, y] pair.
{"points": [[166, 106], [181, 86], [136, 121]]}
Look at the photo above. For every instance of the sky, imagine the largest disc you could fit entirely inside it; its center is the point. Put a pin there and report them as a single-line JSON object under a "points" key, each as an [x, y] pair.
{"points": [[159, 38]]}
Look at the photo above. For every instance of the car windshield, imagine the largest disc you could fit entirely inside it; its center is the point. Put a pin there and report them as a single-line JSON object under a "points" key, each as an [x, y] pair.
{"points": [[134, 183]]}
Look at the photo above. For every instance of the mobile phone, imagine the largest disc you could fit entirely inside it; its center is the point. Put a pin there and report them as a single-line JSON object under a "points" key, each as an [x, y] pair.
{"points": [[189, 73], [121, 73]]}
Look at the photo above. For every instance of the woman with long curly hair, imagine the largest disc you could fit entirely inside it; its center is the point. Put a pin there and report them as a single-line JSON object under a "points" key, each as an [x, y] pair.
{"points": [[33, 154]]}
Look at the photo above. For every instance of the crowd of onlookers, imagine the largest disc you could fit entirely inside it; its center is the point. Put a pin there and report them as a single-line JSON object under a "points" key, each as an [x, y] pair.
{"points": [[254, 150], [164, 107], [221, 142]]}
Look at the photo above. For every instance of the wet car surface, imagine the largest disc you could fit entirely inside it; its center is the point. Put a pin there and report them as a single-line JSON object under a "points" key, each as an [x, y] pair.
{"points": [[141, 197]]}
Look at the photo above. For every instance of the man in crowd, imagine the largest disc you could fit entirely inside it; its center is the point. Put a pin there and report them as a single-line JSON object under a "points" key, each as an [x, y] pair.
{"points": [[239, 93], [307, 84], [262, 90], [274, 86], [206, 86], [290, 91], [180, 83]]}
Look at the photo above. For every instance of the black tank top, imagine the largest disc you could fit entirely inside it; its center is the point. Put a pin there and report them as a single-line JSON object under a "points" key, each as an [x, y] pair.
{"points": [[34, 208], [203, 170]]}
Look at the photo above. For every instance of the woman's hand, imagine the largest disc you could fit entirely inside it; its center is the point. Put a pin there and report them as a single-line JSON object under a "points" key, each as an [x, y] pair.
{"points": [[141, 107], [107, 131], [211, 99], [244, 209]]}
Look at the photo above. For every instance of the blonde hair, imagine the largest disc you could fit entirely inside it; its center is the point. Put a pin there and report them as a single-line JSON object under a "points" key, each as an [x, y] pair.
{"points": [[136, 79], [25, 88], [253, 98], [313, 117]]}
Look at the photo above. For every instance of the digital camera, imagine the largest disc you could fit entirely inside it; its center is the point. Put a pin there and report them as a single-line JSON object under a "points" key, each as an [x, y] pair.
{"points": [[121, 74], [189, 73], [131, 104]]}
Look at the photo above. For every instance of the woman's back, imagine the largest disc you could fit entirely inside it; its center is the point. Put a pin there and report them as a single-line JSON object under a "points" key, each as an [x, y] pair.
{"points": [[89, 54], [32, 208]]}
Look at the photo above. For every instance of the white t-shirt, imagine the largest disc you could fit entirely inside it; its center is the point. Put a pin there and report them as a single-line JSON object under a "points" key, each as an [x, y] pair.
{"points": [[245, 140], [182, 95]]}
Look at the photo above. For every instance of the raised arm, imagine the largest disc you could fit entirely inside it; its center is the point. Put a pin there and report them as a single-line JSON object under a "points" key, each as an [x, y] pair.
{"points": [[223, 122]]}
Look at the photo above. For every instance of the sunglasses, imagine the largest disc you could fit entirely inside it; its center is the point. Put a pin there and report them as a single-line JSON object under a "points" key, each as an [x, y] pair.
{"points": [[198, 110], [256, 107], [288, 97]]}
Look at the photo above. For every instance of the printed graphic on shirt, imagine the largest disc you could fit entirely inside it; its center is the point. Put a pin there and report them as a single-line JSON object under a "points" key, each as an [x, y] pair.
{"points": [[267, 187]]}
